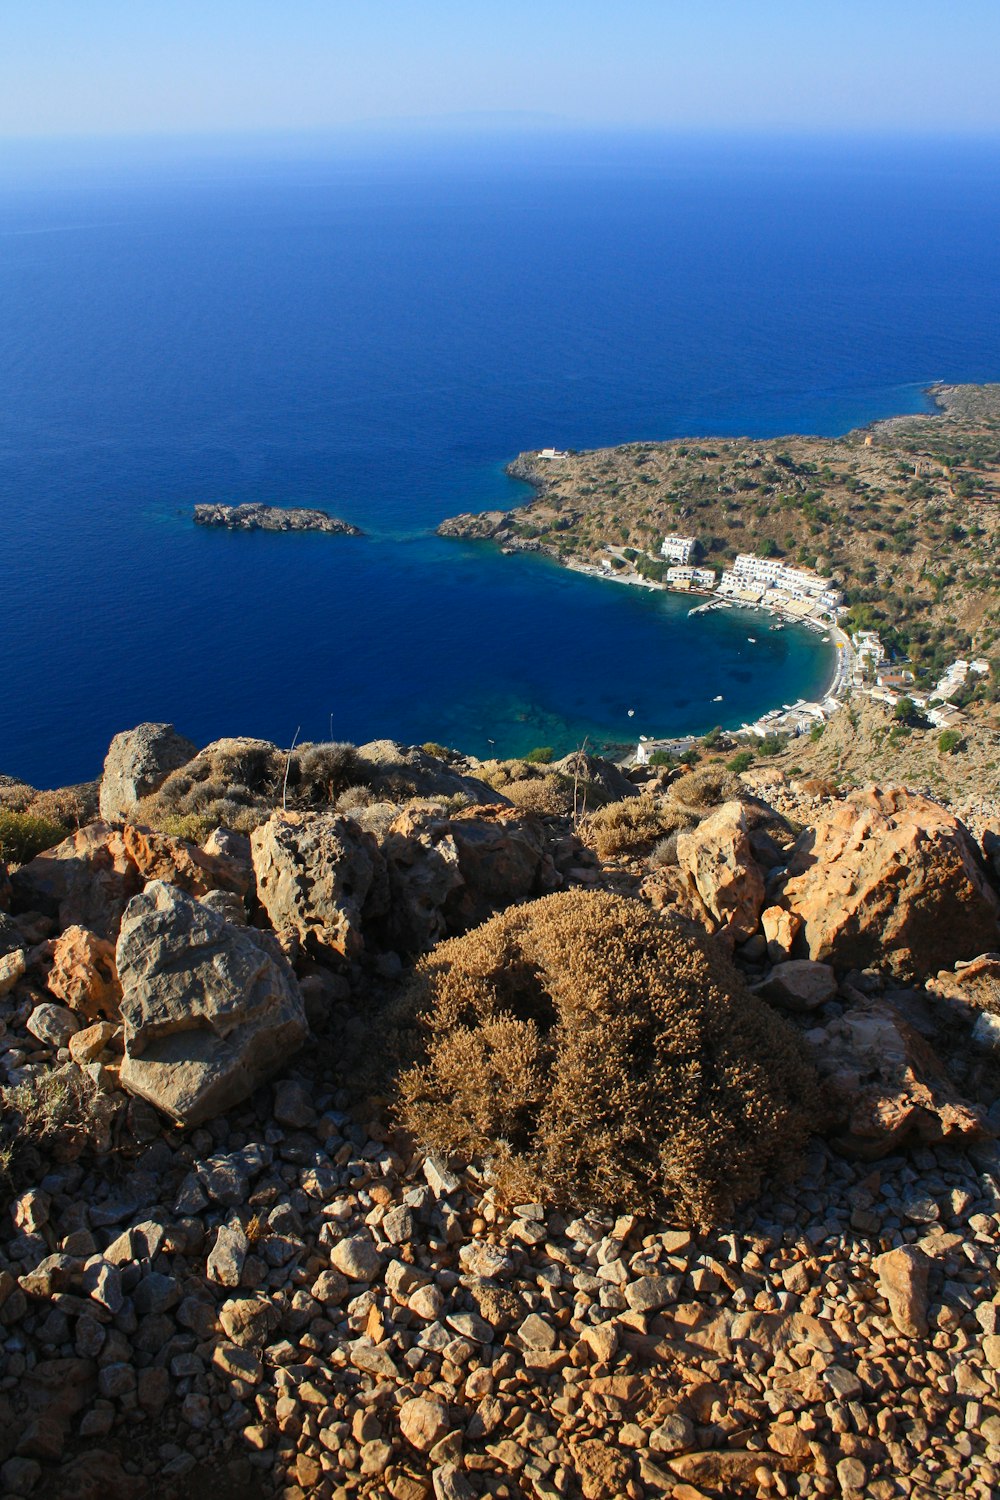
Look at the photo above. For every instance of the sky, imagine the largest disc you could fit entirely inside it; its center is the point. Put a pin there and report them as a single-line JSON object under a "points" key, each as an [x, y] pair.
{"points": [[127, 67]]}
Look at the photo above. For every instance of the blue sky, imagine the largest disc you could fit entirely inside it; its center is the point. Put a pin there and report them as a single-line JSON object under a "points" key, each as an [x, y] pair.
{"points": [[80, 67]]}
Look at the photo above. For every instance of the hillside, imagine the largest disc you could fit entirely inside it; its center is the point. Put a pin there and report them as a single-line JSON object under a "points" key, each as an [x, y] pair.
{"points": [[905, 515]]}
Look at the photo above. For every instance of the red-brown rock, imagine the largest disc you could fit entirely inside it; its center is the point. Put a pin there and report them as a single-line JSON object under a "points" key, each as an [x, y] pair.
{"points": [[84, 976], [723, 884], [890, 878]]}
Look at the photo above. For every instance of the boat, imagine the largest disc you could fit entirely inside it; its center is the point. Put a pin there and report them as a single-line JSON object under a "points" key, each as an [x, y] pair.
{"points": [[752, 639], [717, 698]]}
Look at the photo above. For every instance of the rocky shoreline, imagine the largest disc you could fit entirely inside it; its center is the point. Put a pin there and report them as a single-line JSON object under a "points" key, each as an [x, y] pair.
{"points": [[254, 517], [225, 1265]]}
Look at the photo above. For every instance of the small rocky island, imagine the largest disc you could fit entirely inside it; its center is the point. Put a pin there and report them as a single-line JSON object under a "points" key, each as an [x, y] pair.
{"points": [[255, 517]]}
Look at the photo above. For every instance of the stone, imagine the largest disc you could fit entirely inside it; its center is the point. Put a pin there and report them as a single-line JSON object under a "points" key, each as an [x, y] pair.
{"points": [[356, 1257], [30, 1210], [603, 1471], [801, 984], [210, 1009], [650, 1293], [237, 1362], [161, 856], [675, 1434], [602, 1341], [292, 1105], [19, 1476], [890, 878], [13, 967], [722, 883], [138, 762], [536, 1334], [248, 1321], [986, 1033], [852, 1476], [886, 1085], [52, 1024], [226, 1260], [448, 873], [451, 1484], [84, 975], [86, 881], [780, 928], [88, 1044], [423, 1420], [319, 875], [902, 1281]]}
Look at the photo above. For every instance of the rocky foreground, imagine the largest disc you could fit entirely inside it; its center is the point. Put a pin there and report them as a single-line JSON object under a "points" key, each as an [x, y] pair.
{"points": [[226, 1269], [253, 517]]}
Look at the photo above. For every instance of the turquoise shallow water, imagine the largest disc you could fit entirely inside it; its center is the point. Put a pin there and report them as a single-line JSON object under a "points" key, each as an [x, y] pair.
{"points": [[379, 335]]}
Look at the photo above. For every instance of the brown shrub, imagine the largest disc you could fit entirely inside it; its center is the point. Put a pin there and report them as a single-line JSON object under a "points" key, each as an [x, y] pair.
{"points": [[634, 824], [548, 796], [706, 787], [601, 1056]]}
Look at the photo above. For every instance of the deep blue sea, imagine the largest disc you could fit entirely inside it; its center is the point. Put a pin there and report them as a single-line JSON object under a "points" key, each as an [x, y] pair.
{"points": [[376, 328]]}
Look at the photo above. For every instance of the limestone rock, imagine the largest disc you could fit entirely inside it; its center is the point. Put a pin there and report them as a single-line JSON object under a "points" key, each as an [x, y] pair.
{"points": [[448, 873], [723, 882], [87, 881], [160, 856], [891, 878], [800, 984], [138, 762], [316, 874], [52, 1024], [423, 1420], [780, 929], [84, 976], [13, 967], [887, 1085], [210, 1009], [902, 1280]]}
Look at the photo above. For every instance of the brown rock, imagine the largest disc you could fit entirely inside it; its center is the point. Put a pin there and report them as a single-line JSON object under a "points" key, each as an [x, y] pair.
{"points": [[902, 1280], [87, 881], [886, 1084], [724, 883], [160, 856], [800, 984], [423, 1420], [603, 1470], [320, 875], [84, 974], [85, 1045], [780, 929], [890, 877]]}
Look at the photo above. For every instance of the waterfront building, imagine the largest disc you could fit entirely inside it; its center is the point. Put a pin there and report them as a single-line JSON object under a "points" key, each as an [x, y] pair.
{"points": [[688, 578], [678, 549], [778, 584]]}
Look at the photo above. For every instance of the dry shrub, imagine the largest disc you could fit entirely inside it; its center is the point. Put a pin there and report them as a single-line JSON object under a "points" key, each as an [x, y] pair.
{"points": [[600, 1056], [665, 853], [53, 1114], [709, 786], [636, 823], [549, 796], [319, 773], [23, 835]]}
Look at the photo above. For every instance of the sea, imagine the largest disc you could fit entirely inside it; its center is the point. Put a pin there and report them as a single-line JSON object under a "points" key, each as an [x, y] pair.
{"points": [[376, 323]]}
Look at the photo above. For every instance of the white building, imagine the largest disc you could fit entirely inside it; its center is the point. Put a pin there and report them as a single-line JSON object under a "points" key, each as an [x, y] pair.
{"points": [[679, 549], [551, 453], [696, 578], [751, 574]]}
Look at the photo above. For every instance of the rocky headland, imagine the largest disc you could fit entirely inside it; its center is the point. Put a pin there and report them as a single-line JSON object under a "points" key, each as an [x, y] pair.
{"points": [[380, 1122], [254, 517]]}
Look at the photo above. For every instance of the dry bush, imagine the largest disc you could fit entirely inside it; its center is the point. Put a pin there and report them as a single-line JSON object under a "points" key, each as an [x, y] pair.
{"points": [[709, 786], [600, 1056], [54, 1114], [353, 797], [665, 852], [72, 806], [634, 824], [16, 796], [318, 774], [549, 796]]}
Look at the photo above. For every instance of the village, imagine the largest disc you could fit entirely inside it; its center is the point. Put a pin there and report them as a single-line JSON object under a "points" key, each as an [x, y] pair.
{"points": [[800, 595]]}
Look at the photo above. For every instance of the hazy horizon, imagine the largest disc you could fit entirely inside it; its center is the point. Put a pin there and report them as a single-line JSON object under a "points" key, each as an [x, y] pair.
{"points": [[114, 70]]}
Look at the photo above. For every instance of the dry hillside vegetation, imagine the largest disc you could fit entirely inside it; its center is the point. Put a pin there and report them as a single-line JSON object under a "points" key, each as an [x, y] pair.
{"points": [[905, 515], [600, 1056]]}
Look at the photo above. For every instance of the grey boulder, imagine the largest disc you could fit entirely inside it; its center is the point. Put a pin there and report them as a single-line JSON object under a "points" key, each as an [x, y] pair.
{"points": [[210, 1009], [138, 762]]}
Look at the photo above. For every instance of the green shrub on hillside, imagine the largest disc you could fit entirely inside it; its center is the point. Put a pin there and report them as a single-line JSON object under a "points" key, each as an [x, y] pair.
{"points": [[24, 834]]}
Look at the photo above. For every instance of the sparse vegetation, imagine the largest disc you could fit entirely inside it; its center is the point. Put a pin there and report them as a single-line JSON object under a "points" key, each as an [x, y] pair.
{"points": [[25, 834]]}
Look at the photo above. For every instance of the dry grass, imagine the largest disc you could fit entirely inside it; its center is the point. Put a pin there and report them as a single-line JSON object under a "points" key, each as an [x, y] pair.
{"points": [[53, 1114], [630, 826], [25, 834], [548, 796], [598, 1055]]}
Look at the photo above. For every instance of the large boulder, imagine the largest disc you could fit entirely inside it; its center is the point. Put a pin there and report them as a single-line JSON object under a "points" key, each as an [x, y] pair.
{"points": [[161, 856], [86, 881], [723, 885], [210, 1009], [318, 875], [886, 1084], [138, 762], [448, 873], [890, 878]]}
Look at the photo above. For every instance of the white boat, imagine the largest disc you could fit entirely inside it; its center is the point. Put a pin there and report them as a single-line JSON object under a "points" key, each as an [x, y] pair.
{"points": [[717, 698], [752, 639]]}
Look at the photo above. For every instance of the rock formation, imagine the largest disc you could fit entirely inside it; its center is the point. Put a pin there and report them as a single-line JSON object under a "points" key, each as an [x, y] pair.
{"points": [[254, 517], [138, 762], [210, 1009]]}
